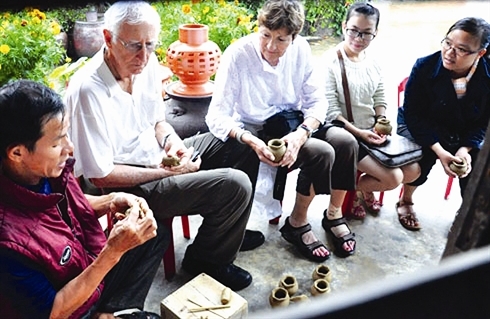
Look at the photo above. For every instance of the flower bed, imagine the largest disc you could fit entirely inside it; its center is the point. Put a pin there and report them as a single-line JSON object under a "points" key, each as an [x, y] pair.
{"points": [[28, 46]]}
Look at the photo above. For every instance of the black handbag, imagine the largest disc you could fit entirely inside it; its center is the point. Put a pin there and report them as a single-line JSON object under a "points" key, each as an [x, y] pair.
{"points": [[397, 150]]}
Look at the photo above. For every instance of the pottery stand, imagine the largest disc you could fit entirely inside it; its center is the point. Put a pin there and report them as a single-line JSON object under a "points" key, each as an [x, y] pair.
{"points": [[186, 115]]}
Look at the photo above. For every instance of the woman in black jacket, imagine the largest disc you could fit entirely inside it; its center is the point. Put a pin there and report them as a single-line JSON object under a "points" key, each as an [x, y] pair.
{"points": [[446, 107]]}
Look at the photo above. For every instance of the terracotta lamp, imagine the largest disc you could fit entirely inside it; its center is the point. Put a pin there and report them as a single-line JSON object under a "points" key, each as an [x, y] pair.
{"points": [[193, 59]]}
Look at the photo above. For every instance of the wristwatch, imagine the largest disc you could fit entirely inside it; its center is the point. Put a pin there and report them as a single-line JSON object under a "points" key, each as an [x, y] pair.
{"points": [[308, 130]]}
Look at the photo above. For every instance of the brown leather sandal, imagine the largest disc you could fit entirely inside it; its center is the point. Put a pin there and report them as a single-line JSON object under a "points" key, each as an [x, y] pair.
{"points": [[408, 219]]}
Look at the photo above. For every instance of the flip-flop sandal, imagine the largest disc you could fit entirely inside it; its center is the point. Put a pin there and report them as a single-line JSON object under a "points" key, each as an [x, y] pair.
{"points": [[294, 235], [407, 219], [338, 242]]}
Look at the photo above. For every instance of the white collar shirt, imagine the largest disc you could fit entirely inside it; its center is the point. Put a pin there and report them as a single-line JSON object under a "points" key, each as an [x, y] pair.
{"points": [[248, 90], [110, 126]]}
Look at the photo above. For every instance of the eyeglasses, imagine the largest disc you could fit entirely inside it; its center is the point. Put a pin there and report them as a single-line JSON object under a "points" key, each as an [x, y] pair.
{"points": [[363, 35], [135, 47], [446, 45]]}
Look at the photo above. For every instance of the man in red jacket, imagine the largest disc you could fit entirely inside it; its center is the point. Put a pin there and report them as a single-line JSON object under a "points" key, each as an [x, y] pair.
{"points": [[55, 261]]}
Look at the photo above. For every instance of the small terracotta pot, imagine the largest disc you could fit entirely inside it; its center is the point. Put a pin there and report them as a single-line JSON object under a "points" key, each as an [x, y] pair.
{"points": [[383, 126], [279, 297], [320, 287], [289, 283], [459, 168], [278, 148], [322, 272]]}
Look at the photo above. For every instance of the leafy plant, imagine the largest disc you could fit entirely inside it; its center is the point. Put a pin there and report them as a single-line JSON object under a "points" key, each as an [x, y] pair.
{"points": [[325, 14], [59, 78], [66, 16], [227, 21], [28, 45]]}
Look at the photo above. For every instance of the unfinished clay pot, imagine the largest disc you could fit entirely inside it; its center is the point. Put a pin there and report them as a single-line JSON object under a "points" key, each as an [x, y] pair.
{"points": [[279, 297], [170, 161], [320, 287], [278, 148], [322, 272], [383, 126], [459, 168], [290, 283], [299, 298]]}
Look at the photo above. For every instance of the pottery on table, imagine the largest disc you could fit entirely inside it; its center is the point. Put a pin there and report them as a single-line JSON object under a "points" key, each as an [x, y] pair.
{"points": [[279, 297], [459, 167], [289, 283], [278, 148], [383, 126], [320, 287], [322, 271]]}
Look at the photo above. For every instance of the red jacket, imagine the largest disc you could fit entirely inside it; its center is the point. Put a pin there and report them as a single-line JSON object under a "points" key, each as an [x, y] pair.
{"points": [[31, 225]]}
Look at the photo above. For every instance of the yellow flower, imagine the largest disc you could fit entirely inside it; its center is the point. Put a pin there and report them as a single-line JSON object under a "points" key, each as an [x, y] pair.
{"points": [[6, 15], [159, 51], [51, 85], [68, 59], [55, 27], [221, 2], [4, 49], [205, 10], [236, 2], [36, 20], [213, 19], [233, 40], [186, 8], [243, 20], [256, 28], [5, 24]]}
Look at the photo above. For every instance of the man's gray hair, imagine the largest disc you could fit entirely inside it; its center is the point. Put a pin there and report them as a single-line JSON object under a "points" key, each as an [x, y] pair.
{"points": [[130, 12]]}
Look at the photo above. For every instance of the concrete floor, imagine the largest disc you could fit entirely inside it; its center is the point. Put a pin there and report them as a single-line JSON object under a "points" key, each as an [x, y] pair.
{"points": [[384, 248]]}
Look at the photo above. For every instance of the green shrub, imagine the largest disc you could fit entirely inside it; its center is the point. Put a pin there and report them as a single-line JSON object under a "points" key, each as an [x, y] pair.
{"points": [[28, 46], [325, 14]]}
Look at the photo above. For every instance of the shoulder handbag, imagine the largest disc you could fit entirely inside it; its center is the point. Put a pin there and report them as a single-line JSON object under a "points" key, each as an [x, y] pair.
{"points": [[397, 151]]}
